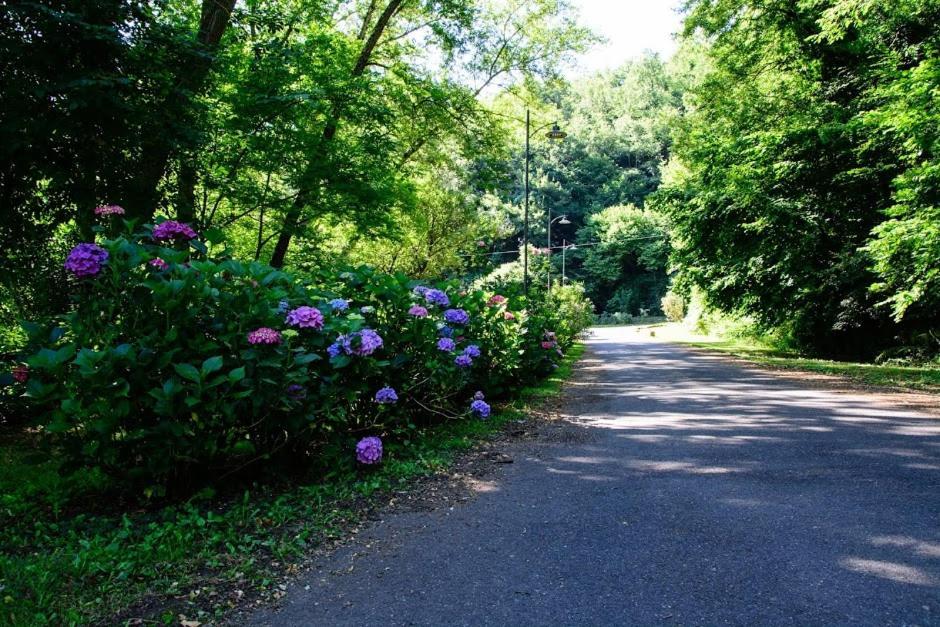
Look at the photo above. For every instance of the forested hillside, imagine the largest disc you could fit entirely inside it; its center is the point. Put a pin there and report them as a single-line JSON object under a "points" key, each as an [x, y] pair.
{"points": [[805, 186]]}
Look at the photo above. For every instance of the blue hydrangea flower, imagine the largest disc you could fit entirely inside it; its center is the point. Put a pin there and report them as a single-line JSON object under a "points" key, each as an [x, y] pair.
{"points": [[437, 297], [457, 316], [445, 331], [446, 344], [283, 306], [480, 408], [386, 396], [339, 304], [472, 351]]}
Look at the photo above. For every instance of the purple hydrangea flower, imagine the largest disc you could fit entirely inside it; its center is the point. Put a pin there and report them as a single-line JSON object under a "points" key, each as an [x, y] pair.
{"points": [[457, 316], [305, 318], [463, 361], [445, 331], [363, 343], [109, 210], [85, 260], [446, 344], [173, 230], [420, 290], [264, 335], [296, 391], [158, 264], [339, 304], [437, 297], [369, 450], [418, 311], [480, 408], [386, 396], [472, 351]]}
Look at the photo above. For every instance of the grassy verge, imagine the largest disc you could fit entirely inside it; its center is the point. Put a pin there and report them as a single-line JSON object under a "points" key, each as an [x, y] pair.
{"points": [[921, 378], [60, 564]]}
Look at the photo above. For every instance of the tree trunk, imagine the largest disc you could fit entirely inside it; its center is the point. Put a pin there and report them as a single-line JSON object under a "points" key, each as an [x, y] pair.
{"points": [[215, 18], [293, 219]]}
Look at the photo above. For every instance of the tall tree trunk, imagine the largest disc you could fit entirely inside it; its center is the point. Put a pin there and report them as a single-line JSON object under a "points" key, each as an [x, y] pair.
{"points": [[214, 20], [293, 219], [186, 189]]}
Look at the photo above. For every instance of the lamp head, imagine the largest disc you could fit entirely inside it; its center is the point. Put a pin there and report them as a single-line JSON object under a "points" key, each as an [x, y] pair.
{"points": [[556, 133], [564, 220]]}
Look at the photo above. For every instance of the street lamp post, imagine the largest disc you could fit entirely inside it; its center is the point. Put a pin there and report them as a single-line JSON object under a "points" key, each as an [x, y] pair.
{"points": [[554, 133], [564, 248], [560, 220]]}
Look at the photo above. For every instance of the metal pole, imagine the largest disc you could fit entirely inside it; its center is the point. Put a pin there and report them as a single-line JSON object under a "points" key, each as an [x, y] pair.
{"points": [[564, 248], [549, 253], [525, 228]]}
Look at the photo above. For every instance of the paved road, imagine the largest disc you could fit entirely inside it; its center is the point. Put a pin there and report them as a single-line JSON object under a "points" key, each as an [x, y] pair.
{"points": [[697, 493]]}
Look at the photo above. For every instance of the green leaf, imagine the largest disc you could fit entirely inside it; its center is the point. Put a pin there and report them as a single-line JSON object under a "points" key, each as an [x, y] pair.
{"points": [[187, 371], [211, 364], [237, 374]]}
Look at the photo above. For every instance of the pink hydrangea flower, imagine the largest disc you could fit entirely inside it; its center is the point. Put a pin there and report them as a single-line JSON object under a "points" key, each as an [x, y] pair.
{"points": [[548, 345], [21, 374], [496, 300], [264, 335], [109, 210], [158, 264], [173, 230], [509, 316]]}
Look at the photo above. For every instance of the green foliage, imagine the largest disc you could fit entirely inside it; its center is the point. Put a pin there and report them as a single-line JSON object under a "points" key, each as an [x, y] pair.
{"points": [[151, 376], [625, 266], [673, 307], [806, 128], [69, 559]]}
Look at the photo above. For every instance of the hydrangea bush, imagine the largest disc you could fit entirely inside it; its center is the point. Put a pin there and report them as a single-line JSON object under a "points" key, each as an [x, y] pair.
{"points": [[173, 367]]}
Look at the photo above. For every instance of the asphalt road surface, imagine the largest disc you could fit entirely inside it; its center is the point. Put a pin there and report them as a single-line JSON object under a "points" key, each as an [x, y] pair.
{"points": [[693, 492]]}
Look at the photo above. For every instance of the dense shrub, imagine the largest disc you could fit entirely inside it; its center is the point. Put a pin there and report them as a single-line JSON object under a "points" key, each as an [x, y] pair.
{"points": [[174, 364], [673, 307]]}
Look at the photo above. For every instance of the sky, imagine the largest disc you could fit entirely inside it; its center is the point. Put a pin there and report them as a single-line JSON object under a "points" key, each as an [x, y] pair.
{"points": [[630, 27]]}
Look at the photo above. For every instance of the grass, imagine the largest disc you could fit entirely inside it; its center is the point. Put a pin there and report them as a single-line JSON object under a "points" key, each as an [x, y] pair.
{"points": [[913, 377], [60, 563]]}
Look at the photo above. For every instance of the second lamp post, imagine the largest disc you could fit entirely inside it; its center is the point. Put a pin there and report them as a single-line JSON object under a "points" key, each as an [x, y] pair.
{"points": [[555, 133]]}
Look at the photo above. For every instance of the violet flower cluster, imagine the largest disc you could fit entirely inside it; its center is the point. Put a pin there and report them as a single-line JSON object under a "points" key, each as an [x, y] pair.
{"points": [[457, 316], [435, 297], [173, 230], [446, 344], [386, 396], [369, 450], [480, 408], [158, 264], [463, 361], [86, 260], [418, 311], [305, 317], [361, 343]]}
